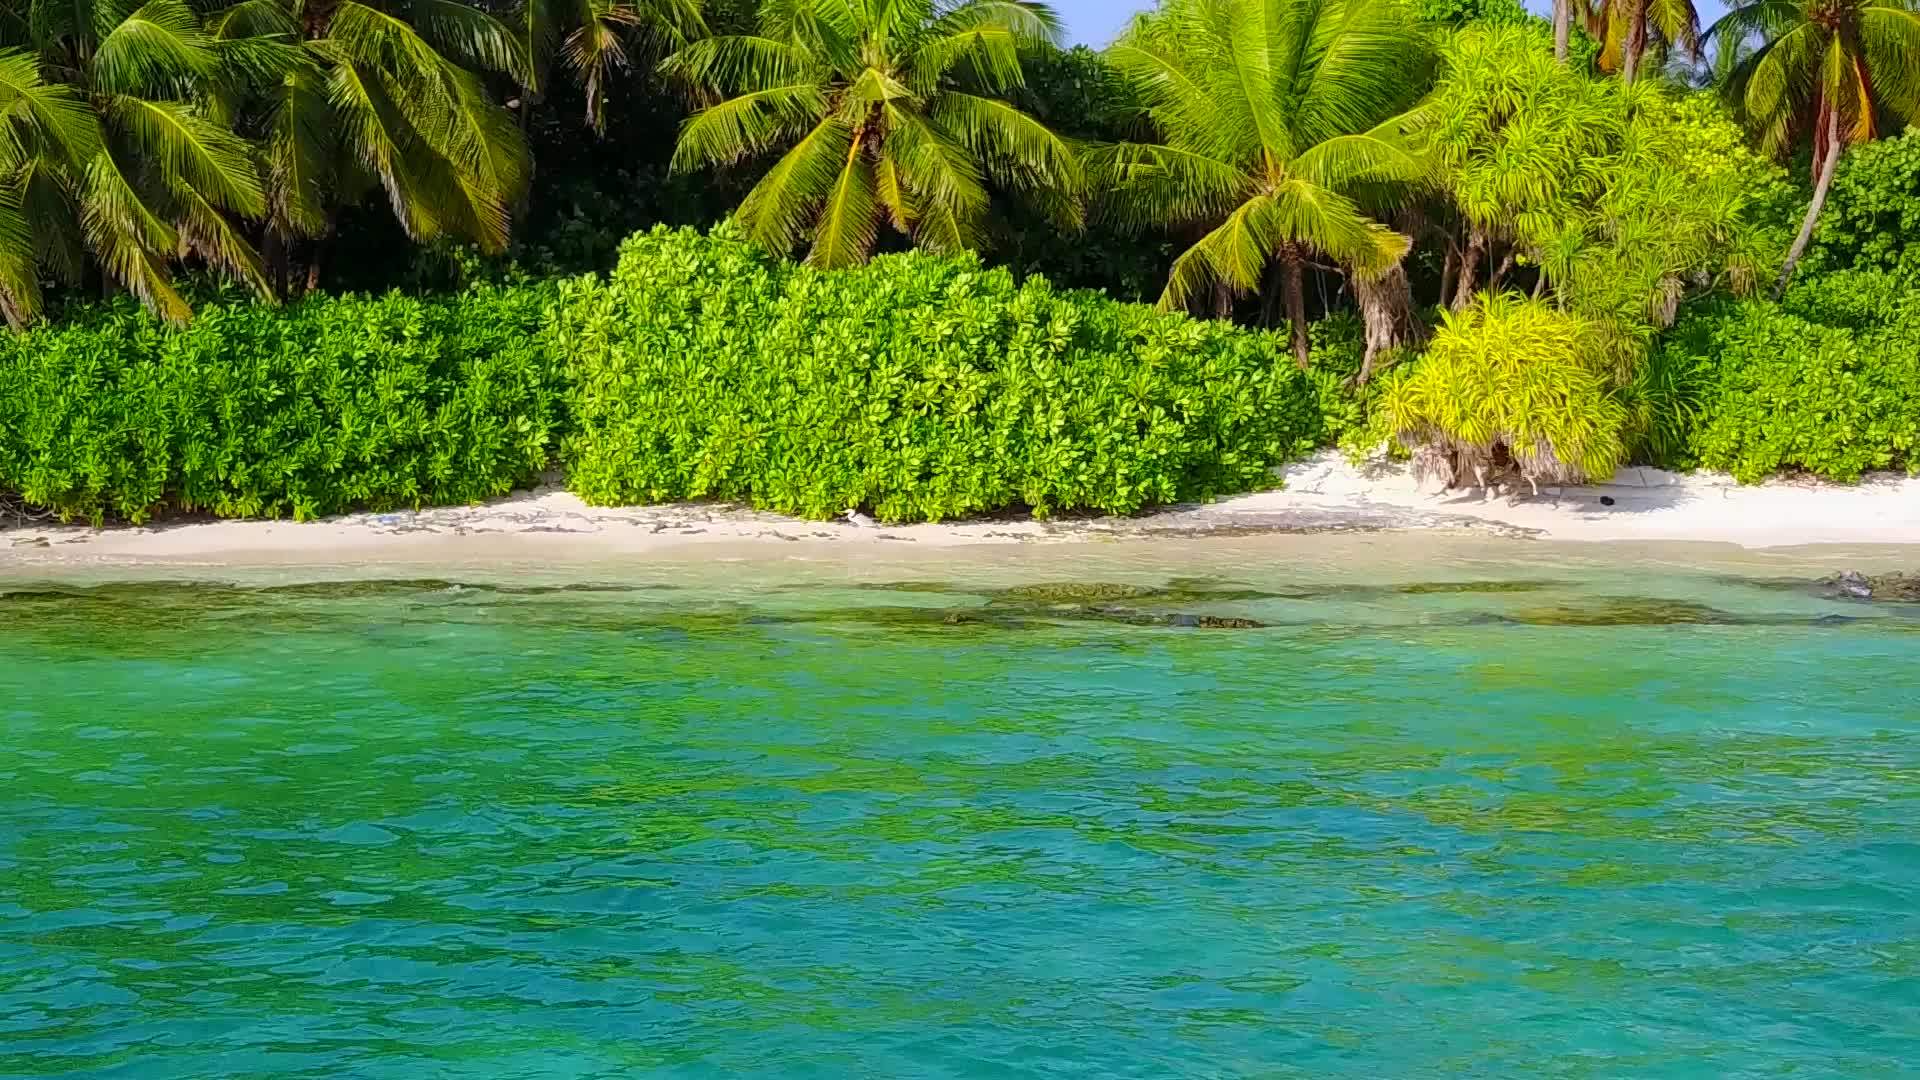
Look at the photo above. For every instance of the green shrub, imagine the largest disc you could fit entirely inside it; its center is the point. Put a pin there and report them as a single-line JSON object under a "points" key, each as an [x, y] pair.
{"points": [[922, 387], [324, 406], [1872, 217], [1353, 418], [1513, 381], [1827, 382]]}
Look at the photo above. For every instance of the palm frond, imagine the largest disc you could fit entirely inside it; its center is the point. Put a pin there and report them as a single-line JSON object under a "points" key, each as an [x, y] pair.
{"points": [[746, 125], [41, 117], [1326, 221], [1370, 157], [302, 143], [1019, 149], [936, 169], [469, 35], [1890, 44], [254, 19], [1234, 254], [984, 41], [210, 234], [128, 237], [777, 212], [1367, 60], [156, 48], [47, 199], [732, 65], [192, 151], [1146, 185], [19, 268], [845, 231]]}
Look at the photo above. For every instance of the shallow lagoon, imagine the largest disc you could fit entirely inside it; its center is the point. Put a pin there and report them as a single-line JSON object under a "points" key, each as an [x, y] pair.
{"points": [[1518, 818]]}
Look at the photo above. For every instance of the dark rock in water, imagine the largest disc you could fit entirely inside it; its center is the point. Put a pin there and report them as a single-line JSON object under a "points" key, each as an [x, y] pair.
{"points": [[1221, 622], [1072, 592], [1186, 620], [1853, 585], [1625, 611]]}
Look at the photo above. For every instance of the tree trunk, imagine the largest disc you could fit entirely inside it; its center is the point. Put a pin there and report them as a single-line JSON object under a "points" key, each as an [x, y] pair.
{"points": [[1469, 268], [274, 253], [1270, 290], [1446, 275], [316, 253], [1500, 273], [1222, 300], [1635, 44], [313, 267], [1386, 310], [1827, 166], [1562, 28], [1296, 289]]}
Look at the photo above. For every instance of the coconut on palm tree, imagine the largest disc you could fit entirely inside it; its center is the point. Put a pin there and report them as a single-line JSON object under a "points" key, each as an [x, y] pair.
{"points": [[355, 95], [1274, 116], [883, 114], [1833, 71], [117, 147]]}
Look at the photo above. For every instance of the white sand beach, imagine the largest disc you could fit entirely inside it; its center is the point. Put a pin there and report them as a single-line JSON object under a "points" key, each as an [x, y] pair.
{"points": [[1323, 495]]}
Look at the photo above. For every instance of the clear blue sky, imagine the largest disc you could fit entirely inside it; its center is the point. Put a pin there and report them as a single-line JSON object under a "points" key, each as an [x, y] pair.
{"points": [[1095, 22]]}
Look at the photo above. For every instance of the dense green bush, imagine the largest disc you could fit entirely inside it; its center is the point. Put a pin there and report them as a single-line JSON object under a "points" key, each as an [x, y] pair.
{"points": [[324, 406], [922, 387], [1872, 216], [1826, 382]]}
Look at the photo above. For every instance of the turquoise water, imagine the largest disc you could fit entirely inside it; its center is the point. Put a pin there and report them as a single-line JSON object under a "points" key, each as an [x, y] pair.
{"points": [[414, 830]]}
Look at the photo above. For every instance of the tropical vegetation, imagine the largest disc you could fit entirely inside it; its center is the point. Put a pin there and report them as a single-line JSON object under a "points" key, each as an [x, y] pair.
{"points": [[921, 387], [1276, 122], [240, 244], [889, 113], [330, 404]]}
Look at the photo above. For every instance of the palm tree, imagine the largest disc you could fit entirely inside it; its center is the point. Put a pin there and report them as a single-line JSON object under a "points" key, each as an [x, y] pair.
{"points": [[1627, 28], [1829, 69], [1274, 114], [353, 95], [592, 38], [117, 148], [50, 135], [1562, 28], [890, 112]]}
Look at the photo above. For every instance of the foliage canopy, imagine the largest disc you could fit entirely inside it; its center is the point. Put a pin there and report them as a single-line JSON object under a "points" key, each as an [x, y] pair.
{"points": [[886, 114]]}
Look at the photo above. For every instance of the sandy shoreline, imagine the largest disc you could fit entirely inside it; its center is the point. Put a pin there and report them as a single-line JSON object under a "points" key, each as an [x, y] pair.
{"points": [[1325, 497]]}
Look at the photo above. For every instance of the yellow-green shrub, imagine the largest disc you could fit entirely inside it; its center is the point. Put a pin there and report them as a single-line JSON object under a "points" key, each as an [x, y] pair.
{"points": [[1511, 380]]}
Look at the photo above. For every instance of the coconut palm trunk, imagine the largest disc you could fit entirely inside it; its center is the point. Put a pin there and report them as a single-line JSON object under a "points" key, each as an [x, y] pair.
{"points": [[1830, 136], [1562, 28], [1469, 268], [1294, 286], [1850, 63], [1635, 44], [1387, 314]]}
